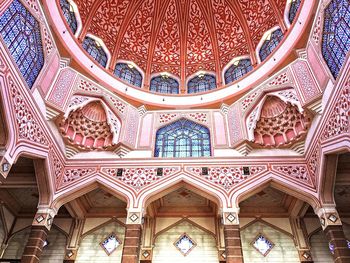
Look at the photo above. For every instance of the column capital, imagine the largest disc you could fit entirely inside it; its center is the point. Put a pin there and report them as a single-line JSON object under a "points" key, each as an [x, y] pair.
{"points": [[328, 216], [44, 217], [134, 217], [230, 216]]}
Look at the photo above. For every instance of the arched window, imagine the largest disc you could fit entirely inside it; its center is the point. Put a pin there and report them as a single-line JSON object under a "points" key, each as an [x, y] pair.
{"points": [[293, 10], [95, 51], [164, 84], [69, 15], [270, 44], [183, 138], [237, 70], [203, 82], [336, 34], [128, 73], [21, 34]]}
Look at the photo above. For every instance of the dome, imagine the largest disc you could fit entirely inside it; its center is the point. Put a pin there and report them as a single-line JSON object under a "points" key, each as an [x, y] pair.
{"points": [[178, 39]]}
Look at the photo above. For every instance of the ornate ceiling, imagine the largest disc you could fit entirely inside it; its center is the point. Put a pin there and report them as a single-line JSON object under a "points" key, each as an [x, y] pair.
{"points": [[180, 37]]}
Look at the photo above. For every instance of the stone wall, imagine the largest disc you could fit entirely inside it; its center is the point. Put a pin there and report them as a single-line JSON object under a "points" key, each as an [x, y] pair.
{"points": [[90, 249], [283, 251], [165, 251]]}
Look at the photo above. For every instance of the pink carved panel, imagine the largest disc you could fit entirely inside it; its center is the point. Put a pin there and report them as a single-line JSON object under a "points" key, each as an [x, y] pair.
{"points": [[50, 74], [62, 88], [306, 82], [219, 129], [146, 131], [316, 65]]}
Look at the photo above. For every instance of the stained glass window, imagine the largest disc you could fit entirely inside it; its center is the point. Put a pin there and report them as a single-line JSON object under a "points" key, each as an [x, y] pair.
{"points": [[183, 138], [270, 44], [110, 243], [237, 70], [95, 51], [293, 10], [336, 34], [262, 244], [201, 83], [164, 84], [128, 73], [21, 34], [185, 244], [69, 15]]}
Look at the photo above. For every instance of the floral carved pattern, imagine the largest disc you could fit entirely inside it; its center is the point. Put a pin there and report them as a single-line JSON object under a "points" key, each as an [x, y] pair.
{"points": [[298, 172], [339, 122], [228, 177], [139, 178], [71, 175], [280, 80], [167, 117], [27, 126]]}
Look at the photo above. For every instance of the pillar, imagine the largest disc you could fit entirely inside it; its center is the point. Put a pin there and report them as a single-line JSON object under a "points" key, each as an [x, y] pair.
{"points": [[333, 229], [132, 240], [74, 240], [232, 236], [38, 234], [301, 240]]}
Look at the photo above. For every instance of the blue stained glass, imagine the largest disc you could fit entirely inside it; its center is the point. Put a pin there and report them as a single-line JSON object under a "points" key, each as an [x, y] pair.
{"points": [[69, 15], [293, 10], [183, 138], [128, 73], [269, 45], [201, 83], [164, 84], [95, 51], [336, 34], [20, 32], [236, 71]]}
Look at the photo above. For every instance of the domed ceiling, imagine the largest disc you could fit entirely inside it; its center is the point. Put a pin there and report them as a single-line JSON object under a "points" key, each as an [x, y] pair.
{"points": [[180, 36]]}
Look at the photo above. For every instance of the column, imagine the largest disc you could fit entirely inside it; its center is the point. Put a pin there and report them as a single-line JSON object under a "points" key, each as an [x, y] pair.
{"points": [[333, 229], [73, 240], [232, 236], [38, 234], [132, 240], [300, 237]]}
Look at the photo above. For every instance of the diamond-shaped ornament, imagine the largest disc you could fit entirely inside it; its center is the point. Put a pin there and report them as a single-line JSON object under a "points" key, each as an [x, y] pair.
{"points": [[306, 255], [185, 244], [39, 219], [333, 218], [231, 218], [133, 217], [223, 255], [146, 254], [262, 244], [110, 243]]}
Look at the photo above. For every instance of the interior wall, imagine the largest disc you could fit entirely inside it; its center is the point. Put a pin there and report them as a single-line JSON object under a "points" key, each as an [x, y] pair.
{"points": [[90, 249], [55, 251], [17, 244], [283, 251], [319, 248], [165, 251]]}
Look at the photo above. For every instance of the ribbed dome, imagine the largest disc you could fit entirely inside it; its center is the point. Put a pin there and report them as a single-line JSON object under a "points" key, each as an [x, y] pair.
{"points": [[180, 36], [94, 112]]}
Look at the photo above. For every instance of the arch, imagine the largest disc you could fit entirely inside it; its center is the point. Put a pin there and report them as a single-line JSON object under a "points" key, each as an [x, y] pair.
{"points": [[129, 72], [71, 14], [291, 11], [336, 35], [183, 138], [21, 34], [164, 83], [89, 185], [96, 48], [273, 180], [201, 82], [183, 180], [236, 69], [3, 127], [268, 43]]}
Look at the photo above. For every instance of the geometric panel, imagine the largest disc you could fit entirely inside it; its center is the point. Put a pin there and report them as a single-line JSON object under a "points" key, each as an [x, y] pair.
{"points": [[185, 244], [110, 244], [262, 244]]}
